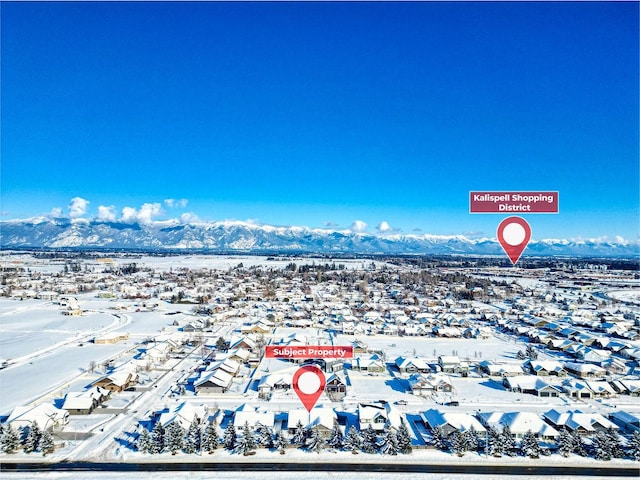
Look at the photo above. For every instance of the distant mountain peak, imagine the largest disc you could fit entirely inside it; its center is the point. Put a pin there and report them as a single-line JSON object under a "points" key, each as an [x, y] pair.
{"points": [[246, 237]]}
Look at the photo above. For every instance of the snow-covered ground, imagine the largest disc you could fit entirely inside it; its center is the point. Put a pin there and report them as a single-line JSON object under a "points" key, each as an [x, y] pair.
{"points": [[50, 353], [632, 296]]}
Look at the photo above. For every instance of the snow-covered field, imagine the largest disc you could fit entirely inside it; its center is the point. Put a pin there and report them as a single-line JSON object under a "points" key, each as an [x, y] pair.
{"points": [[50, 353], [632, 296]]}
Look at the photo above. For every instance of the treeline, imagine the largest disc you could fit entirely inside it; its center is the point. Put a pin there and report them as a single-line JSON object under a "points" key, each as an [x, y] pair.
{"points": [[30, 439], [603, 445], [203, 437]]}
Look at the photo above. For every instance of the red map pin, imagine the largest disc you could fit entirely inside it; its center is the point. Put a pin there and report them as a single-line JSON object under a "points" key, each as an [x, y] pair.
{"points": [[309, 383], [514, 234]]}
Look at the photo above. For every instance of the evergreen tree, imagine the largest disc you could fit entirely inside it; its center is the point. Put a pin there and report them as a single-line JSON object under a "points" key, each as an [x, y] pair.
{"points": [[265, 436], [299, 436], [352, 442], [247, 443], [336, 439], [316, 442], [404, 439], [439, 439], [144, 441], [174, 438], [634, 446], [472, 439], [10, 440], [157, 439], [458, 443], [601, 445], [614, 441], [565, 443], [230, 438], [46, 444], [389, 442], [210, 438], [495, 446], [369, 440], [33, 438], [529, 445], [508, 440], [578, 445], [192, 438], [281, 442]]}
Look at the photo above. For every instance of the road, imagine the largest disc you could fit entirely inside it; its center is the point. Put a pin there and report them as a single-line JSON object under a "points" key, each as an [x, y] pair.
{"points": [[474, 468]]}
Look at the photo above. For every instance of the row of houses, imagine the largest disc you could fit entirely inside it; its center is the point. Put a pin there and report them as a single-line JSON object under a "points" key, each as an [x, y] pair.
{"points": [[382, 415]]}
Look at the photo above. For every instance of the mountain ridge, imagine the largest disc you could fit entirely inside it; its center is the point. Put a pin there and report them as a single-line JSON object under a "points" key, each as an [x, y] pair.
{"points": [[245, 237]]}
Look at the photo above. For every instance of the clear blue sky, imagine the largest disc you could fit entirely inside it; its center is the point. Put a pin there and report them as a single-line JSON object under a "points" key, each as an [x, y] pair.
{"points": [[324, 113]]}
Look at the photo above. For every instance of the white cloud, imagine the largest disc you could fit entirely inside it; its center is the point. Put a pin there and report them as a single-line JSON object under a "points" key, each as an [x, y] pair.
{"points": [[172, 202], [148, 212], [107, 214], [358, 226], [129, 215], [384, 227], [56, 213], [189, 217], [78, 207]]}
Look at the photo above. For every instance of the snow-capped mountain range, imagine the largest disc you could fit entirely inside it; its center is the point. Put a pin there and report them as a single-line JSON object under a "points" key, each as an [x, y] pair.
{"points": [[233, 236]]}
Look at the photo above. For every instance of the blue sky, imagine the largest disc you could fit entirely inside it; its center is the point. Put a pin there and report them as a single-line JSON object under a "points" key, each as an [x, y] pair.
{"points": [[323, 114]]}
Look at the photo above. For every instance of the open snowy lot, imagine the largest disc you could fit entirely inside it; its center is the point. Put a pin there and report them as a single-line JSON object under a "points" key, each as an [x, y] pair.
{"points": [[50, 353]]}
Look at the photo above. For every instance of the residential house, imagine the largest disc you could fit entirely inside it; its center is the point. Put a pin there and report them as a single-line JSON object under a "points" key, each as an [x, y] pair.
{"points": [[500, 369], [320, 419], [451, 422], [184, 414], [377, 414], [274, 382], [246, 414], [83, 403], [47, 416], [412, 365], [626, 421], [335, 388], [545, 368], [428, 385], [585, 370], [452, 364], [627, 386], [584, 423], [531, 385], [213, 382], [117, 380], [519, 423], [371, 364], [588, 389]]}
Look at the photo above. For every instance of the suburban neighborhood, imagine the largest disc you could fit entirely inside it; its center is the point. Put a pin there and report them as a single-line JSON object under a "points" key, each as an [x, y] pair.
{"points": [[141, 357]]}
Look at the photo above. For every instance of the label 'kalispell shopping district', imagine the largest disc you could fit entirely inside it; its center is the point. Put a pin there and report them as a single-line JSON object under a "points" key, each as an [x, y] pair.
{"points": [[509, 202]]}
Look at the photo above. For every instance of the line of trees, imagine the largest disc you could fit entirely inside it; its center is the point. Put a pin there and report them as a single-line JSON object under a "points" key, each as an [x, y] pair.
{"points": [[30, 439], [604, 445], [201, 438]]}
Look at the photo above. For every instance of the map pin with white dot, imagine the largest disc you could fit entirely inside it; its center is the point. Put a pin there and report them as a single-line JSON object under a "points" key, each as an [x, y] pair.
{"points": [[514, 234]]}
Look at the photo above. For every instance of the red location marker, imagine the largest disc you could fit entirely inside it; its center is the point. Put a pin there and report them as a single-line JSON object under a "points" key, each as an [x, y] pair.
{"points": [[309, 383], [514, 234]]}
